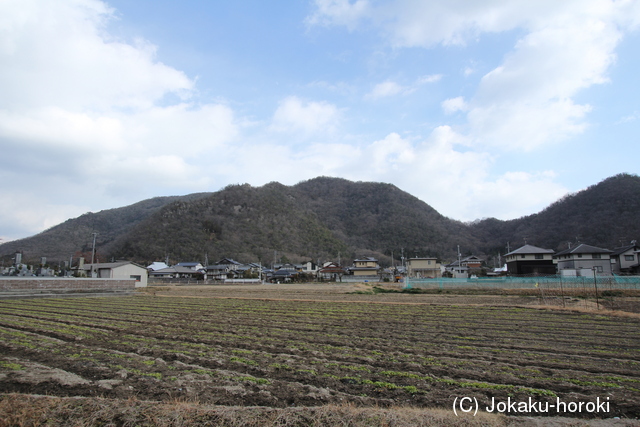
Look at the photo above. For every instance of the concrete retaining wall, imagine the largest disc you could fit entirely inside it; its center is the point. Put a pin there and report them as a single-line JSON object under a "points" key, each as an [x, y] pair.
{"points": [[12, 284]]}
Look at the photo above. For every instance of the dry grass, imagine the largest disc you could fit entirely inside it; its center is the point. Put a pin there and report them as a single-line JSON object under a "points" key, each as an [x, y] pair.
{"points": [[34, 411], [601, 311]]}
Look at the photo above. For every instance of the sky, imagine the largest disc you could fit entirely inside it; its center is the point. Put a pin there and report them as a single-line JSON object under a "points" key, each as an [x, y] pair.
{"points": [[480, 108]]}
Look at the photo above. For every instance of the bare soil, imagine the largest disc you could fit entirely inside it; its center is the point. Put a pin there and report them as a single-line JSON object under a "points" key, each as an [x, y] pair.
{"points": [[283, 346]]}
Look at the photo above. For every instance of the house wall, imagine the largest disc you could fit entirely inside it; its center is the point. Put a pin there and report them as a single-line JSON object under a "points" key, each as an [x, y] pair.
{"points": [[131, 271], [586, 262], [623, 263], [424, 268], [421, 263], [531, 266], [530, 257], [366, 264], [372, 272]]}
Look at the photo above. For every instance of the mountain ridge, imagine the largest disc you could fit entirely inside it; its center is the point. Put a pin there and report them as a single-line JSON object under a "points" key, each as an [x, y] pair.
{"points": [[325, 218]]}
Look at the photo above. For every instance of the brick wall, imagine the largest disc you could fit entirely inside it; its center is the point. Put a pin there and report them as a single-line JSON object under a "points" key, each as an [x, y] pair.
{"points": [[53, 283]]}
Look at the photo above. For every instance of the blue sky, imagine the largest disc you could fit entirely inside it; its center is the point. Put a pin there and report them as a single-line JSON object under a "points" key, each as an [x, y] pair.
{"points": [[481, 108]]}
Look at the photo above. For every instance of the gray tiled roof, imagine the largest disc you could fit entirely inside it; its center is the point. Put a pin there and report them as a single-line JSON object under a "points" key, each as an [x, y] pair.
{"points": [[530, 249], [618, 251], [584, 249]]}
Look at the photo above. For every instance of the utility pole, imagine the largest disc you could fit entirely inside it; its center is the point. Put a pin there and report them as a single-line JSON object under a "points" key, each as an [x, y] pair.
{"points": [[93, 252]]}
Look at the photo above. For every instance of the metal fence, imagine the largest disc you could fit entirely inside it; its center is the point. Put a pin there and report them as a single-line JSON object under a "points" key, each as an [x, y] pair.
{"points": [[590, 292], [534, 282]]}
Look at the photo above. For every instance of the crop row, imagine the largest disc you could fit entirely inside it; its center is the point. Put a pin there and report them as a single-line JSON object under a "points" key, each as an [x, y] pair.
{"points": [[358, 349]]}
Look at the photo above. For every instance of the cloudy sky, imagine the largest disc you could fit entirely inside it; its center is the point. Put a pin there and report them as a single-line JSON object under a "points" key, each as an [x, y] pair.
{"points": [[481, 108]]}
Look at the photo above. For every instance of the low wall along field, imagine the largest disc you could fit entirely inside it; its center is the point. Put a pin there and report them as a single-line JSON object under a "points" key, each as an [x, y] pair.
{"points": [[220, 349], [11, 287]]}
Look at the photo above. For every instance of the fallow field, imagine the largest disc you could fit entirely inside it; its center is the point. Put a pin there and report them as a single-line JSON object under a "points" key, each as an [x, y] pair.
{"points": [[284, 352]]}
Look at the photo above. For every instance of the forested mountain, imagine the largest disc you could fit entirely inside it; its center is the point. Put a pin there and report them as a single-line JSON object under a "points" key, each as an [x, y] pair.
{"points": [[74, 236], [326, 218], [605, 215]]}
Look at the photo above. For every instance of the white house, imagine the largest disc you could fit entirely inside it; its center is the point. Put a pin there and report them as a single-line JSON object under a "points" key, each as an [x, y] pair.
{"points": [[118, 270]]}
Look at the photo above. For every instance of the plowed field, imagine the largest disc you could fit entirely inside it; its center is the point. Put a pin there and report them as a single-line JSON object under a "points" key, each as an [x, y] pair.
{"points": [[279, 353]]}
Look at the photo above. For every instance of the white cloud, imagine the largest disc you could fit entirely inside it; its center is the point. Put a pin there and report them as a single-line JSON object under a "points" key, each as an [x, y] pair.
{"points": [[452, 105], [630, 118], [58, 53], [391, 153], [433, 78], [85, 114], [295, 115], [386, 89], [529, 99], [390, 88], [339, 12], [18, 217], [456, 183]]}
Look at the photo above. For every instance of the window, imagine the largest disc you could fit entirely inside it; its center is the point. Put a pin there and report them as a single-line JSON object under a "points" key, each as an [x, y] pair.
{"points": [[137, 278], [629, 257], [597, 256], [598, 268], [579, 255], [539, 256], [523, 256]]}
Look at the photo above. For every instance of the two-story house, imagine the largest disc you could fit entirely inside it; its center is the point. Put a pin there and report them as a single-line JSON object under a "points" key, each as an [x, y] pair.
{"points": [[226, 268], [423, 268], [583, 260], [366, 266], [530, 259], [465, 267], [625, 260]]}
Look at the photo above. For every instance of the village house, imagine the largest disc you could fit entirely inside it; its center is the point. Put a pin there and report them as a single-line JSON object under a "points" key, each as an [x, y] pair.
{"points": [[117, 270], [226, 268], [465, 267], [366, 266], [195, 266], [625, 260], [530, 260], [331, 271], [584, 260], [424, 268]]}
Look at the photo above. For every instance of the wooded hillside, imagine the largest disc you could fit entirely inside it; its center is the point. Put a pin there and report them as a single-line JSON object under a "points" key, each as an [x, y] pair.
{"points": [[326, 218]]}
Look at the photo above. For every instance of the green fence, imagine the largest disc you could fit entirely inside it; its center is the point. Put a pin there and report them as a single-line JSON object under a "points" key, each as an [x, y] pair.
{"points": [[537, 282]]}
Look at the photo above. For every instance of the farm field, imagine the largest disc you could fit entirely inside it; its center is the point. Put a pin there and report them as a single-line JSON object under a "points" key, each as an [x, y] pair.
{"points": [[281, 349]]}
